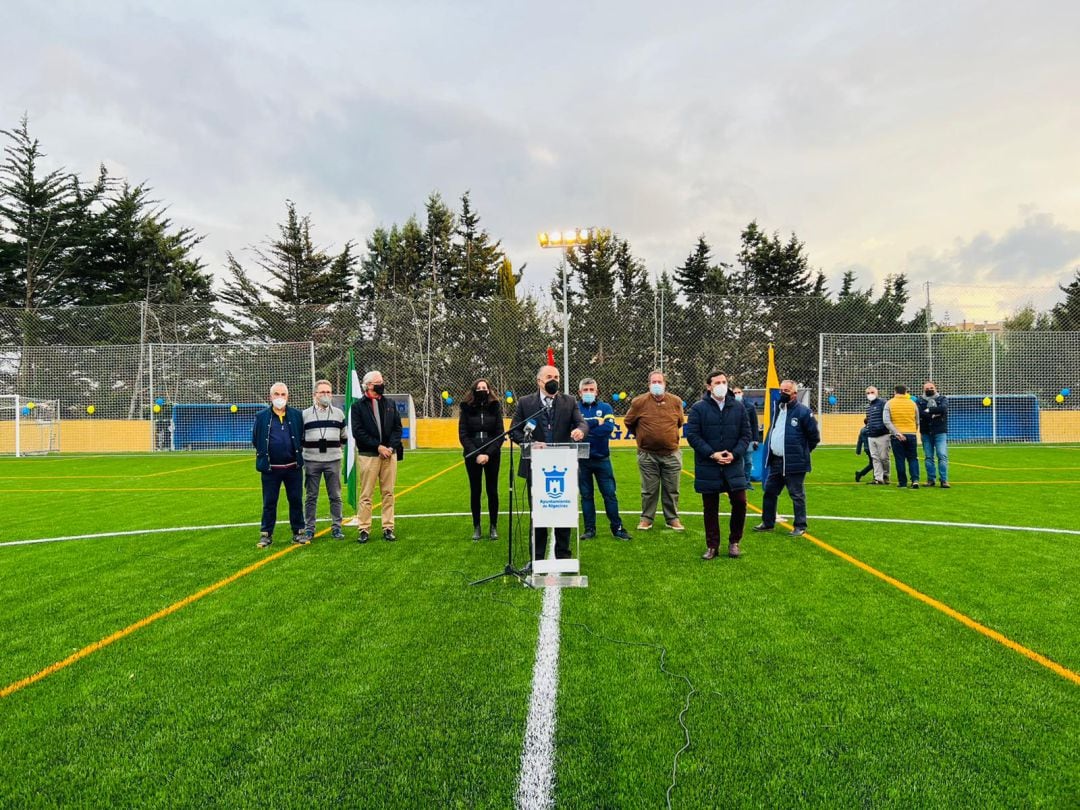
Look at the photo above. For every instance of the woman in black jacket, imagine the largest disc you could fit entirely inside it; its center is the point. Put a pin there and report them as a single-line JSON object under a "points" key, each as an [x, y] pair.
{"points": [[479, 423]]}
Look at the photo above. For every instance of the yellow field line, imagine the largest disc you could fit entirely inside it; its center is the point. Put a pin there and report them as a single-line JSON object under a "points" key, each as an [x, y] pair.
{"points": [[953, 483], [967, 621], [131, 628], [426, 480], [33, 490], [127, 476], [1011, 469], [161, 614], [192, 469]]}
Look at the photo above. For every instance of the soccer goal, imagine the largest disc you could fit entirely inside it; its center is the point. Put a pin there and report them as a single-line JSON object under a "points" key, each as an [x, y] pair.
{"points": [[29, 427]]}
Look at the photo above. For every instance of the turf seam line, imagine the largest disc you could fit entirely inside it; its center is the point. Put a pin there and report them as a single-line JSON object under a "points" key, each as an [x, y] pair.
{"points": [[536, 780]]}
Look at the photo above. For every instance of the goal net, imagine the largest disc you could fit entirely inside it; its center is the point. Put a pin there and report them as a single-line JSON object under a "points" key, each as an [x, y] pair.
{"points": [[29, 427]]}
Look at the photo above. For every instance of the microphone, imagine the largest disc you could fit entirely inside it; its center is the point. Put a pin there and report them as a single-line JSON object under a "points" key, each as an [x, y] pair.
{"points": [[530, 426]]}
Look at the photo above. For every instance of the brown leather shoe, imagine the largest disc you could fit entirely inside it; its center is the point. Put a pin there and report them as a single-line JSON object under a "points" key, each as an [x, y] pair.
{"points": [[733, 550], [710, 554], [676, 526], [644, 525]]}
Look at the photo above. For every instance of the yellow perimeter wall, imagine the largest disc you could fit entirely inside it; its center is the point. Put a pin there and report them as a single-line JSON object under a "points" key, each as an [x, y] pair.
{"points": [[133, 436]]}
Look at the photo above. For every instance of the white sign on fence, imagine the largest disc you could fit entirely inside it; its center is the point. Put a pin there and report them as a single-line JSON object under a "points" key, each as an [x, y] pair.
{"points": [[554, 487]]}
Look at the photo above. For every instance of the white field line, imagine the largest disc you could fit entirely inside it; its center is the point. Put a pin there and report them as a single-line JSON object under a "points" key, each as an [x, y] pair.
{"points": [[844, 518], [536, 781]]}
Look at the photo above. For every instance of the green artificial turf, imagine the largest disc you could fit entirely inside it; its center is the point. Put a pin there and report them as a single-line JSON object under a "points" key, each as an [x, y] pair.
{"points": [[374, 676]]}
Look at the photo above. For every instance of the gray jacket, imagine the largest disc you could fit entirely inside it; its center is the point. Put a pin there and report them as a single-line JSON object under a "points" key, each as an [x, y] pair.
{"points": [[324, 428]]}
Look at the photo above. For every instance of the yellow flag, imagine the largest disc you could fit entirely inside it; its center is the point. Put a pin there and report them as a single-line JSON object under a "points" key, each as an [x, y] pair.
{"points": [[772, 391]]}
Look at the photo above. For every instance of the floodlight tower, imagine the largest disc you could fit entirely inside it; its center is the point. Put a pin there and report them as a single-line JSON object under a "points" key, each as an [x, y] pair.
{"points": [[573, 237]]}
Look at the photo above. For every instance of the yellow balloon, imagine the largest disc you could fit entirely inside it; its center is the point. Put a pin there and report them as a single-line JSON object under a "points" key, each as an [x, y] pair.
{"points": [[986, 401], [31, 405], [233, 408], [90, 409], [445, 394], [157, 409], [1059, 399], [509, 400], [622, 395]]}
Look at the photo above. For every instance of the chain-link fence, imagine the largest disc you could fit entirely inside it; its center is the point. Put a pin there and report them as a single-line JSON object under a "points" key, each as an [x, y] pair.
{"points": [[1001, 386], [428, 344]]}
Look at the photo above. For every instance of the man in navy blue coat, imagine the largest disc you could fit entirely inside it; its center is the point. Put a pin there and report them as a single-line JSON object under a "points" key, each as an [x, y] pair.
{"points": [[277, 436], [793, 435], [719, 431]]}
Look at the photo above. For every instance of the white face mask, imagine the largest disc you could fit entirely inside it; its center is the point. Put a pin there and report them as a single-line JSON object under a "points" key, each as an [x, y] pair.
{"points": [[871, 397], [279, 403], [656, 389], [324, 400], [719, 390]]}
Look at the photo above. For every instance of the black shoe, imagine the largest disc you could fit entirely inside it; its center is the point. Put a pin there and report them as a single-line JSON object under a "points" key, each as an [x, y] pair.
{"points": [[588, 534], [930, 483], [363, 537], [622, 534], [476, 532], [337, 533], [761, 527], [796, 532], [945, 485], [858, 477], [914, 484], [264, 540], [388, 535], [301, 539], [493, 534]]}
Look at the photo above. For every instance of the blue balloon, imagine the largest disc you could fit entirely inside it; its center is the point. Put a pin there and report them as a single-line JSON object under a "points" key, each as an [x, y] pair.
{"points": [[449, 400], [1066, 391], [509, 393], [832, 399], [159, 401], [25, 411]]}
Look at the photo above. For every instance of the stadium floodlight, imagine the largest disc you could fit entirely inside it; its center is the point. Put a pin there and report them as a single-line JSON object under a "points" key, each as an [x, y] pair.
{"points": [[572, 237]]}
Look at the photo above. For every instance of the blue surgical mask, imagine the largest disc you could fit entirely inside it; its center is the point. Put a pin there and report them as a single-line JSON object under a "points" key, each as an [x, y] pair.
{"points": [[738, 397], [656, 389], [589, 398]]}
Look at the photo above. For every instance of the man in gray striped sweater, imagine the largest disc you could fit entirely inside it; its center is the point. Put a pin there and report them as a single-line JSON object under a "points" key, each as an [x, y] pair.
{"points": [[325, 434]]}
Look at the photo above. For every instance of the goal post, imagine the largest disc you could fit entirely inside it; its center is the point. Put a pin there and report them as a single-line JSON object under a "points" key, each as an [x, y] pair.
{"points": [[29, 427]]}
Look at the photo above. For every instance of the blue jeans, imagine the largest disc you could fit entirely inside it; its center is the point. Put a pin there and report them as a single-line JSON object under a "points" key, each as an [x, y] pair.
{"points": [[599, 468], [774, 484], [906, 453], [936, 445], [748, 465]]}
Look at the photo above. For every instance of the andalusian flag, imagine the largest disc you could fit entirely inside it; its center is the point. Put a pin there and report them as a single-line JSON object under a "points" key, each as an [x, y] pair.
{"points": [[772, 399], [352, 393]]}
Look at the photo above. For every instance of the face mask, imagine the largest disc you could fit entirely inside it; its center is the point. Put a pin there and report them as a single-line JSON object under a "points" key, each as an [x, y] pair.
{"points": [[871, 397], [719, 391], [552, 386], [656, 389], [480, 397], [589, 398], [324, 400], [785, 398], [738, 397], [929, 392], [279, 403], [377, 390]]}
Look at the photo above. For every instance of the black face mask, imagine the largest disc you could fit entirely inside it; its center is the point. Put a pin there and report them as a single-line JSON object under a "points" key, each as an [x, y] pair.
{"points": [[377, 390], [785, 397], [929, 392], [552, 386], [480, 397]]}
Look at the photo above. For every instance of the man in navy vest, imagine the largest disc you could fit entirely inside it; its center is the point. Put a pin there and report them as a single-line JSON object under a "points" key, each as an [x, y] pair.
{"points": [[793, 435], [277, 436], [601, 421]]}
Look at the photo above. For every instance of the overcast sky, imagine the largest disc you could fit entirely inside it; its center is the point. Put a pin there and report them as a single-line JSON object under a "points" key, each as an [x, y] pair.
{"points": [[936, 139]]}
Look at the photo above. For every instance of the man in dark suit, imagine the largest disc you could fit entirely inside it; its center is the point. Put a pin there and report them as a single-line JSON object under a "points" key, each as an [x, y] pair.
{"points": [[376, 426], [557, 419]]}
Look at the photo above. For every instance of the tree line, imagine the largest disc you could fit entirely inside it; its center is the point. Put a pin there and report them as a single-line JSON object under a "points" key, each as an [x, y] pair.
{"points": [[436, 297]]}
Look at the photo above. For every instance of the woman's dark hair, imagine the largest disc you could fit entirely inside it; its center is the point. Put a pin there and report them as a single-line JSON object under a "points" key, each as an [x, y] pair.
{"points": [[470, 398]]}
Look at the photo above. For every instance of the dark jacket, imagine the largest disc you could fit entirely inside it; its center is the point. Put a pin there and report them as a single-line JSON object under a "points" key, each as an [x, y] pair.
{"points": [[751, 415], [863, 443], [875, 418], [366, 432], [933, 415], [260, 436], [478, 425], [801, 436], [710, 430], [565, 418]]}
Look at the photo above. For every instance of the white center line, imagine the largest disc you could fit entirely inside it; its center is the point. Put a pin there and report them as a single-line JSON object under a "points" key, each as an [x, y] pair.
{"points": [[536, 783]]}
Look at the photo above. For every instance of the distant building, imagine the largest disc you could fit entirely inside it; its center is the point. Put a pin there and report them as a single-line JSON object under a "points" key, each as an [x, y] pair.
{"points": [[971, 326]]}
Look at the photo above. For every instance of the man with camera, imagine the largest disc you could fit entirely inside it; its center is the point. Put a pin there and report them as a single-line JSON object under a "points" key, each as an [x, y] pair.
{"points": [[325, 434]]}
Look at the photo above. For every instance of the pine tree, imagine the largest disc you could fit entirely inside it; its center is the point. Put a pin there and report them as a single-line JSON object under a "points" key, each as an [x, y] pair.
{"points": [[692, 275], [479, 260], [1067, 313]]}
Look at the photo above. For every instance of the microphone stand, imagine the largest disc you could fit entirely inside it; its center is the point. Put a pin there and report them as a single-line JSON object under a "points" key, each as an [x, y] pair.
{"points": [[509, 570]]}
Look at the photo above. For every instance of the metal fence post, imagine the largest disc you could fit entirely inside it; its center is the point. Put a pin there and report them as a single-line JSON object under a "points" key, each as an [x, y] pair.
{"points": [[993, 385]]}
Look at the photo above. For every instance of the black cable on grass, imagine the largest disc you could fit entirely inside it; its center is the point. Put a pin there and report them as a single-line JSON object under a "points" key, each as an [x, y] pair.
{"points": [[692, 690]]}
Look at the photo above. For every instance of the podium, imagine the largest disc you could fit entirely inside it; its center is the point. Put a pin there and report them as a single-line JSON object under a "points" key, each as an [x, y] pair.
{"points": [[554, 482]]}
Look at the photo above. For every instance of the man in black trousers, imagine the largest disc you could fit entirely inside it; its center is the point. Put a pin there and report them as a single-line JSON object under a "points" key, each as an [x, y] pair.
{"points": [[559, 420]]}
